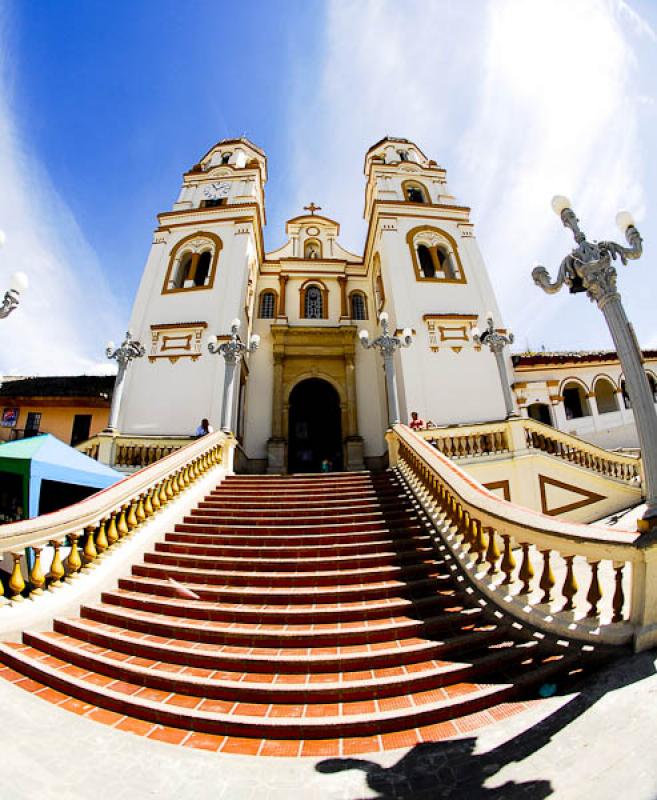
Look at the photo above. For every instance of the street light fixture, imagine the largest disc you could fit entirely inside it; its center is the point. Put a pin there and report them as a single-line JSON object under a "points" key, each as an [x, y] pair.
{"points": [[17, 283], [497, 342], [127, 352], [232, 351], [388, 346], [589, 268]]}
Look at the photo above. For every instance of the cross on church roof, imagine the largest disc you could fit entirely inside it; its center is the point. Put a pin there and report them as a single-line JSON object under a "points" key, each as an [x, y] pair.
{"points": [[312, 208]]}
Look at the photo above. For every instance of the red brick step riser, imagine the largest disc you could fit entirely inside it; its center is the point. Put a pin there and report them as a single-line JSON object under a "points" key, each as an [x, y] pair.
{"points": [[251, 563], [300, 552], [301, 728], [459, 643], [316, 693], [298, 530], [284, 580], [304, 540], [258, 637], [417, 588], [273, 616]]}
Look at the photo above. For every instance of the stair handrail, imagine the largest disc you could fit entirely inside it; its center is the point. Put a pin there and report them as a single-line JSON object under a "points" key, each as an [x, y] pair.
{"points": [[523, 433], [197, 457], [488, 531]]}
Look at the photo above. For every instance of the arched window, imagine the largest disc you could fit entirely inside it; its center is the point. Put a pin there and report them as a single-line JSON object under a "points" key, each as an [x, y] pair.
{"points": [[414, 192], [225, 157], [427, 265], [435, 255], [202, 269], [312, 249], [605, 396], [379, 291], [193, 263], [540, 412], [403, 155], [358, 306], [626, 398], [575, 402], [267, 305], [313, 303]]}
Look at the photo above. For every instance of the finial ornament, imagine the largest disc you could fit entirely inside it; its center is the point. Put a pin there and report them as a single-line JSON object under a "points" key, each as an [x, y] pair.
{"points": [[312, 208]]}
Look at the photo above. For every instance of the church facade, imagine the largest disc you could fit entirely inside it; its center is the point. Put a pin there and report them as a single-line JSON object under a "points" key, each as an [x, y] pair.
{"points": [[310, 392]]}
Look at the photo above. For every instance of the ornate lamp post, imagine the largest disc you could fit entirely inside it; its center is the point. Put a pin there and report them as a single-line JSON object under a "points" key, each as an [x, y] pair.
{"points": [[127, 352], [588, 268], [17, 283], [232, 351], [497, 342], [388, 345]]}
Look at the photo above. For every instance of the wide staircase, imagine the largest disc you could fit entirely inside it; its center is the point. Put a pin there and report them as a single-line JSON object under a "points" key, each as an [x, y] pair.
{"points": [[303, 615]]}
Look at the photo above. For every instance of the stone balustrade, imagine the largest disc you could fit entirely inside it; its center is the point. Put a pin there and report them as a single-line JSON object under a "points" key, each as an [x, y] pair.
{"points": [[578, 581], [513, 435], [88, 529], [131, 452]]}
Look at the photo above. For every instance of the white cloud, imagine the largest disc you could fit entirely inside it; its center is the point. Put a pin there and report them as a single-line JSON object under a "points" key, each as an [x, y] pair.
{"points": [[520, 101], [68, 309]]}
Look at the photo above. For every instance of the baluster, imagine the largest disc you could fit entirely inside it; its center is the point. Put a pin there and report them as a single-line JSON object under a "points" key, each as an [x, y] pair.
{"points": [[479, 545], [131, 518], [73, 562], [37, 578], [89, 552], [16, 581], [508, 561], [570, 586], [526, 570], [162, 494], [493, 552], [547, 578], [155, 499], [122, 525], [594, 594], [175, 484], [619, 596], [140, 511], [111, 531], [57, 570], [101, 538], [464, 531]]}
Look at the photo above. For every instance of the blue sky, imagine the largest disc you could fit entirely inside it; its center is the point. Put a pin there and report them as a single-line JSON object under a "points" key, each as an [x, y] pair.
{"points": [[104, 104]]}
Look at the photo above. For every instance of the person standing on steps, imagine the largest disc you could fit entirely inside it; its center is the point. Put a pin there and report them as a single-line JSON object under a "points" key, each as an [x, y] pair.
{"points": [[204, 428], [416, 424]]}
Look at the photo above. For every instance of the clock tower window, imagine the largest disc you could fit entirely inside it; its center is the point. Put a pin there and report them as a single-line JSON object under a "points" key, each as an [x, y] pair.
{"points": [[212, 202]]}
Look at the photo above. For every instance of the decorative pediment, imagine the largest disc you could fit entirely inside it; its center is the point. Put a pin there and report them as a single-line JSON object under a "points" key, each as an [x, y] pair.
{"points": [[453, 331], [176, 340]]}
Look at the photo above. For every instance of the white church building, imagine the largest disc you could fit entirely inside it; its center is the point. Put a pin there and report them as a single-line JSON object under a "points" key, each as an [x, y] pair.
{"points": [[310, 392]]}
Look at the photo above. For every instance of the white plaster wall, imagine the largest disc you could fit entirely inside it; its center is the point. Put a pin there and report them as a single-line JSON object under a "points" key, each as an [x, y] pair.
{"points": [[165, 398], [445, 387]]}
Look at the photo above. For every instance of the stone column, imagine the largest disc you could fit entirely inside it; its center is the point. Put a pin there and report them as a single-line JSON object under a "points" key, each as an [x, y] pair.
{"points": [[638, 388], [344, 311], [282, 290]]}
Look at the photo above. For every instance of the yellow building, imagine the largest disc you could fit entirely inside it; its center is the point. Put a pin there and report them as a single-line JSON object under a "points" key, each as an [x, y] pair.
{"points": [[72, 408]]}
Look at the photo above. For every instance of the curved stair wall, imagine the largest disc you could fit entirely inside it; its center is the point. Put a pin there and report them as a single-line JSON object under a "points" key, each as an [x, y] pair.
{"points": [[582, 582], [537, 466]]}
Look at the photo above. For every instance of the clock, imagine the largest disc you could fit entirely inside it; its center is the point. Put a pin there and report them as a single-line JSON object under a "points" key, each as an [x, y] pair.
{"points": [[216, 190]]}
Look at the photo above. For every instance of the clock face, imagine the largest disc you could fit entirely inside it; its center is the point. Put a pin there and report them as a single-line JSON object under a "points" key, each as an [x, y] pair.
{"points": [[217, 190]]}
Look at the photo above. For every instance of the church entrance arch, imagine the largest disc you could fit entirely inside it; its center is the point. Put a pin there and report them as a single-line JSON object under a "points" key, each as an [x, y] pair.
{"points": [[315, 426]]}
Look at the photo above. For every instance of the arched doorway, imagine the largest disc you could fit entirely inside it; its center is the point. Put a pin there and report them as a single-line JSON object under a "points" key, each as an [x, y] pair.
{"points": [[315, 430]]}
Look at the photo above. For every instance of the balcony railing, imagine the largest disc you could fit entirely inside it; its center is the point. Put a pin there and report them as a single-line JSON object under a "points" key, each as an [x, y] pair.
{"points": [[581, 581]]}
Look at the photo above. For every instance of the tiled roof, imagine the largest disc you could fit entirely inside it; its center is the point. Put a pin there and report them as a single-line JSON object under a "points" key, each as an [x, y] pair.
{"points": [[565, 357], [58, 386]]}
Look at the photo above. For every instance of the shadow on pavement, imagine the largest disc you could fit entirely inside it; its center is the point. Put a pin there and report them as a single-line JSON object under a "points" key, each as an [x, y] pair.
{"points": [[452, 769]]}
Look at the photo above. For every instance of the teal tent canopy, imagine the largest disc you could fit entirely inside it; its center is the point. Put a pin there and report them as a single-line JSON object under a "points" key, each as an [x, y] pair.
{"points": [[45, 458]]}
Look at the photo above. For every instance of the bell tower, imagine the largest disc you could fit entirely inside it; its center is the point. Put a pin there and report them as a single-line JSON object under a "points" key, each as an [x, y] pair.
{"points": [[199, 276], [427, 272]]}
